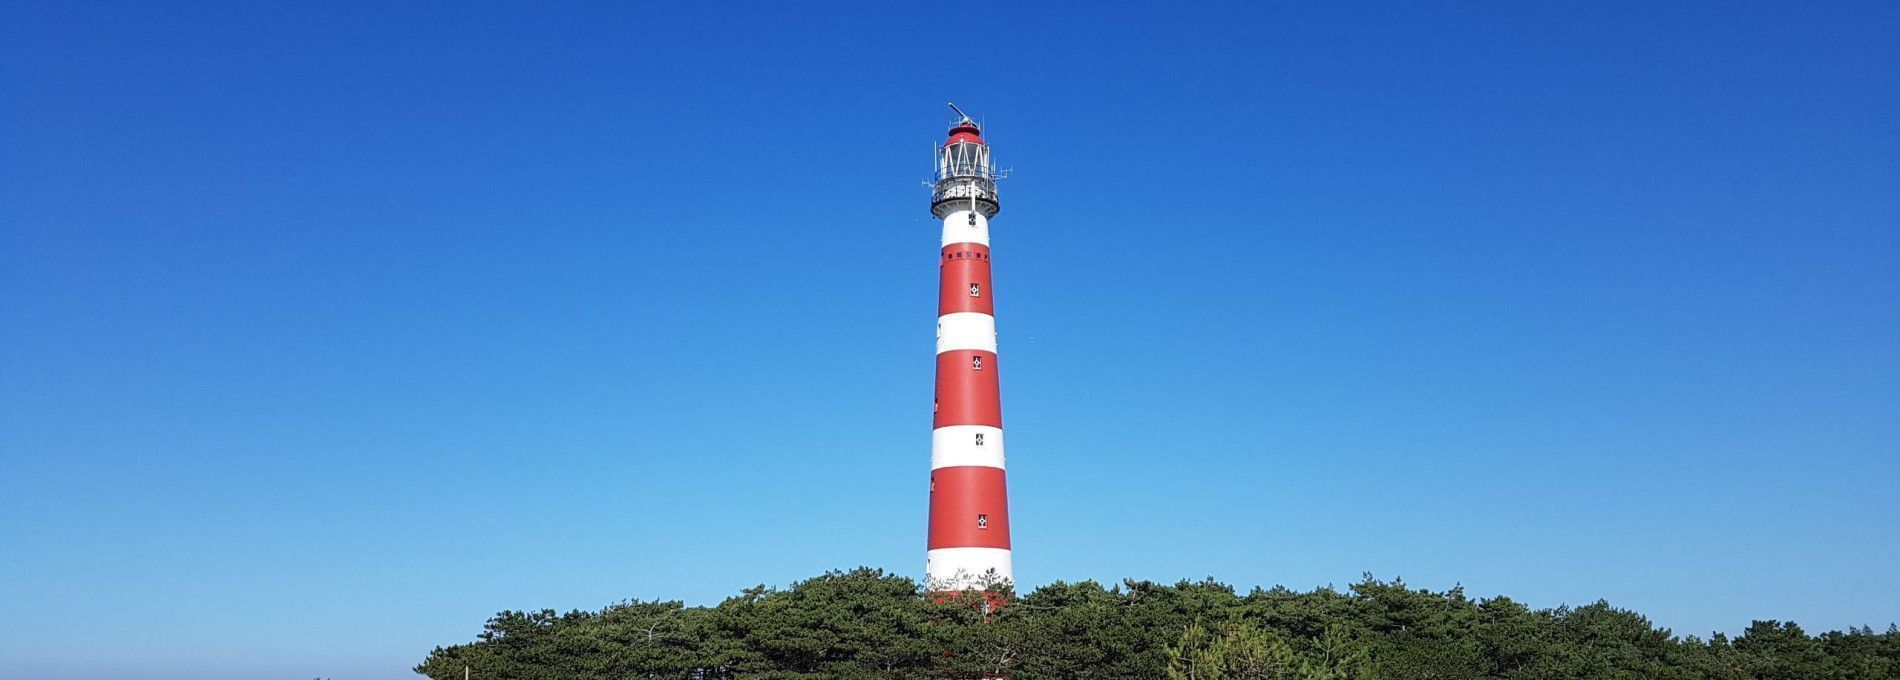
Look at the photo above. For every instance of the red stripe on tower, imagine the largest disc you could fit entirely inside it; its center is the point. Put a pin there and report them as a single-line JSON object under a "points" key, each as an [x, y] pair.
{"points": [[967, 389], [966, 280], [947, 530], [968, 546]]}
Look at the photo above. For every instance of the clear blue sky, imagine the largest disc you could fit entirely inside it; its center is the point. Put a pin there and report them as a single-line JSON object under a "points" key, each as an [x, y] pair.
{"points": [[327, 331]]}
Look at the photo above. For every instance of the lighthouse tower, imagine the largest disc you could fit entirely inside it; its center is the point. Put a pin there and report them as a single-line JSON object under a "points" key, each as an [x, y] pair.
{"points": [[969, 510]]}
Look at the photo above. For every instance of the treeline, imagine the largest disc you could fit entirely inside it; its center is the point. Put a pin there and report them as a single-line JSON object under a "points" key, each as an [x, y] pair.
{"points": [[868, 624]]}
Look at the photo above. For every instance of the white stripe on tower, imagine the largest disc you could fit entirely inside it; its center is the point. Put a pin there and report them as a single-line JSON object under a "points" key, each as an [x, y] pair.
{"points": [[966, 330], [958, 445], [957, 228], [969, 545]]}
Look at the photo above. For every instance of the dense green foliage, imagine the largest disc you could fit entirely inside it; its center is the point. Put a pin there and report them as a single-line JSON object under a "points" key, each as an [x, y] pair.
{"points": [[866, 624]]}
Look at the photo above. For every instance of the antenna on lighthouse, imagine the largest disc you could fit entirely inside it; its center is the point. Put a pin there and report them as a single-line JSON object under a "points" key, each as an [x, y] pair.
{"points": [[960, 114]]}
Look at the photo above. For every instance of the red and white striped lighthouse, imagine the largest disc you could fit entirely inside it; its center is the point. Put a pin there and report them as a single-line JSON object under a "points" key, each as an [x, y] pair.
{"points": [[969, 509]]}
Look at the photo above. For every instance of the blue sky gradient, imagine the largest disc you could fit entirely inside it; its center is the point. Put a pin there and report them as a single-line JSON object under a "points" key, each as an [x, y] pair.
{"points": [[326, 331]]}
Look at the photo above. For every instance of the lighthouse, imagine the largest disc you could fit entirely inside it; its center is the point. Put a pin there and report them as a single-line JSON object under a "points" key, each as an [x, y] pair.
{"points": [[969, 509]]}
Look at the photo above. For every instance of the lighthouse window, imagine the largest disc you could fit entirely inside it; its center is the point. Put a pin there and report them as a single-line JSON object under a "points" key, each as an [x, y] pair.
{"points": [[979, 439], [976, 363], [982, 521], [976, 290]]}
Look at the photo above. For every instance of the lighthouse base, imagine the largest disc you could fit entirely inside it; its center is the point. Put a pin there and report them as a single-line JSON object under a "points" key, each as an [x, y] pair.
{"points": [[986, 569]]}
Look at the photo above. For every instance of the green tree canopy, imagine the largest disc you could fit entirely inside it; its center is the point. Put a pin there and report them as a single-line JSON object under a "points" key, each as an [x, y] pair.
{"points": [[865, 624]]}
